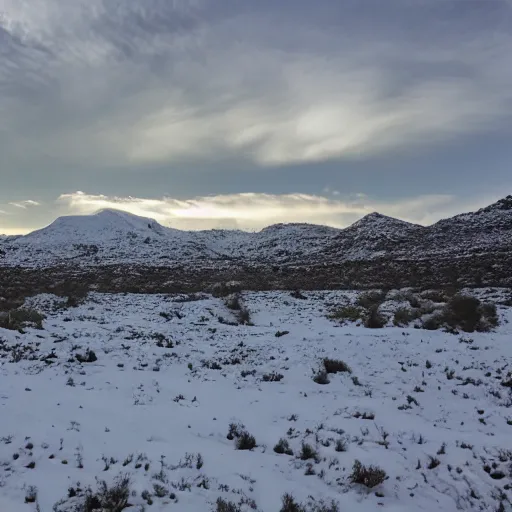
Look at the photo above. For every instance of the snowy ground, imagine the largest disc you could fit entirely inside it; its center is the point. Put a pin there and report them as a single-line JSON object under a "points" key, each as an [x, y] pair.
{"points": [[153, 400]]}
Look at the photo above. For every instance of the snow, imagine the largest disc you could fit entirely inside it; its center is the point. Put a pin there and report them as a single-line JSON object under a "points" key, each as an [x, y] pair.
{"points": [[115, 237], [128, 402]]}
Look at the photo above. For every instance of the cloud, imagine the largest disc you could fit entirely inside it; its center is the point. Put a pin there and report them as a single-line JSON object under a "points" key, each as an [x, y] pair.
{"points": [[159, 82], [251, 211], [25, 204], [14, 231]]}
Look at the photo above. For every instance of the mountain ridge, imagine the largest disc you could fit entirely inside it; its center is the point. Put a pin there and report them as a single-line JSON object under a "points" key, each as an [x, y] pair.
{"points": [[111, 236]]}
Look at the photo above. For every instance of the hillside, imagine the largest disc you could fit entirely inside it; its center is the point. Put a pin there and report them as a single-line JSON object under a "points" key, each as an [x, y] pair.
{"points": [[148, 387], [375, 250]]}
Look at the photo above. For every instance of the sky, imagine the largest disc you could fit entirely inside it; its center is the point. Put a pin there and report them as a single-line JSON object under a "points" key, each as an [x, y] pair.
{"points": [[241, 114]]}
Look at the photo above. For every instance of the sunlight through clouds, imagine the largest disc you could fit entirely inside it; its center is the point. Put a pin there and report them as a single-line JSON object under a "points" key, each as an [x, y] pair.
{"points": [[252, 211]]}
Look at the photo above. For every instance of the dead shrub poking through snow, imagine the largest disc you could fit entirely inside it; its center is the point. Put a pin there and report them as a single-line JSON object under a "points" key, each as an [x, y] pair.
{"points": [[336, 366], [109, 499], [371, 299], [19, 318], [243, 440], [321, 377], [369, 476], [347, 313], [288, 504], [374, 318], [221, 505], [283, 447]]}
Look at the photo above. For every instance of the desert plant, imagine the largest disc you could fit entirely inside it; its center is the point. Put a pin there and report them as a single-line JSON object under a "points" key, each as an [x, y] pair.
{"points": [[31, 494], [462, 311], [402, 317], [225, 289], [244, 316], [369, 476], [245, 441], [433, 322], [433, 462], [341, 445], [283, 447], [489, 317], [222, 505], [290, 505], [348, 313], [335, 366], [370, 299], [307, 452], [321, 377], [233, 302], [17, 319], [89, 357], [374, 319], [272, 377], [109, 499]]}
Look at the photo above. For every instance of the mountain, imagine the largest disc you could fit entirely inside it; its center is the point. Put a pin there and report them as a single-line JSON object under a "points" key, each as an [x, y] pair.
{"points": [[376, 244], [373, 236], [106, 237], [104, 225]]}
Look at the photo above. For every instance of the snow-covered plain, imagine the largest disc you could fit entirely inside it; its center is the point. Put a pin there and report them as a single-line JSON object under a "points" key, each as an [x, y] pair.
{"points": [[153, 396]]}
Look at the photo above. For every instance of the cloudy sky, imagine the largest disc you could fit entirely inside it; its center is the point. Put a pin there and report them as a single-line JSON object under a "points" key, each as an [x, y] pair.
{"points": [[242, 113]]}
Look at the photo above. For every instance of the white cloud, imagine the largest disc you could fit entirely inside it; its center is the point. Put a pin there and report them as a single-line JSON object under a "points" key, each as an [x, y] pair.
{"points": [[14, 231], [24, 204], [252, 211]]}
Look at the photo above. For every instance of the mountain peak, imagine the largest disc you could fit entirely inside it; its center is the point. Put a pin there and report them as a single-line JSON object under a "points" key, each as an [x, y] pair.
{"points": [[378, 219], [502, 204]]}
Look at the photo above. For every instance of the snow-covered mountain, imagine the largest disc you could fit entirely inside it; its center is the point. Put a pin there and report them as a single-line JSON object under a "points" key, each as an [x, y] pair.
{"points": [[117, 237]]}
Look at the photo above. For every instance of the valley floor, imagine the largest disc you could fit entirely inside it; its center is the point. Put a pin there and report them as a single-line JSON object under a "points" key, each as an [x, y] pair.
{"points": [[429, 408]]}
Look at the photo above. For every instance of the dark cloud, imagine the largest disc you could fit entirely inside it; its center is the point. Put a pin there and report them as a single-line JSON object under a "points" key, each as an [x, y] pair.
{"points": [[108, 93]]}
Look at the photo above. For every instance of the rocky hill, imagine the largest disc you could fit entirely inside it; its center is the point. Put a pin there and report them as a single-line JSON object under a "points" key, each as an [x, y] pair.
{"points": [[472, 248]]}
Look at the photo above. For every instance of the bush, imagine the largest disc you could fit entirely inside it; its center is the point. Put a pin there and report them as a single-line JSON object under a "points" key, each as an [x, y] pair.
{"points": [[433, 322], [233, 302], [290, 505], [369, 300], [403, 317], [369, 476], [374, 319], [245, 441], [490, 316], [89, 357], [225, 289], [341, 445], [110, 499], [272, 377], [31, 494], [307, 452], [244, 316], [283, 447], [436, 295], [19, 318], [465, 313], [222, 505], [348, 313], [336, 365], [462, 311], [321, 378], [235, 430]]}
